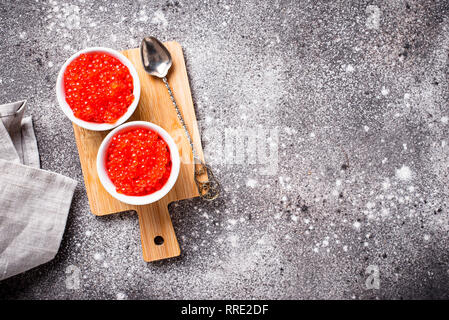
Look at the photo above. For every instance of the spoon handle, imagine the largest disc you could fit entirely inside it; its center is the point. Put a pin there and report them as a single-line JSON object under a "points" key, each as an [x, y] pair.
{"points": [[208, 189]]}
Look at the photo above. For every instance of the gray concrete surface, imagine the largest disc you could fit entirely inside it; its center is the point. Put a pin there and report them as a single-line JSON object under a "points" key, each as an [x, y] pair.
{"points": [[353, 97]]}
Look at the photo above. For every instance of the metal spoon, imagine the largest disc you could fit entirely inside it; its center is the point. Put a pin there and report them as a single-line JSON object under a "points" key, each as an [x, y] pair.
{"points": [[157, 61]]}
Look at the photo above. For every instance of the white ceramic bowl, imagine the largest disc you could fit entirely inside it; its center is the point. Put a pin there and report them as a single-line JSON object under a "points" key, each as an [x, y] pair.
{"points": [[138, 200], [60, 92]]}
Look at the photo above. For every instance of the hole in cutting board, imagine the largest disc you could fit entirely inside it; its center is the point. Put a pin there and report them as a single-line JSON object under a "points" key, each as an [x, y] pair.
{"points": [[158, 240]]}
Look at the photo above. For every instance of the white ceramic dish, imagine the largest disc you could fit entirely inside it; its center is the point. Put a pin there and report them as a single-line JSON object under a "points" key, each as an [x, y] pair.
{"points": [[138, 200], [60, 92]]}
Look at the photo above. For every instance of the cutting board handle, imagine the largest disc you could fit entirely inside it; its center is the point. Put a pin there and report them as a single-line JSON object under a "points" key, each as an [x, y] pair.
{"points": [[157, 233]]}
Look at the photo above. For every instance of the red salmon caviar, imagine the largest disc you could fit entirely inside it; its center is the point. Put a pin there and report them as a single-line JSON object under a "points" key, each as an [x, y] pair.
{"points": [[138, 162], [98, 87]]}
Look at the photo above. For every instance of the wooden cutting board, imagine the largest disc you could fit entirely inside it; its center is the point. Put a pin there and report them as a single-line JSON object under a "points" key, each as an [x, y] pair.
{"points": [[154, 106]]}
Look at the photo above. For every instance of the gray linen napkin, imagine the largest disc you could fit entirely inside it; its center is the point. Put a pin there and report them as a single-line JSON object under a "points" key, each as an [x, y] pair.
{"points": [[34, 203]]}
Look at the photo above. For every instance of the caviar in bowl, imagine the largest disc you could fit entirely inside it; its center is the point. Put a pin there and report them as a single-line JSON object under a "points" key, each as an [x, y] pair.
{"points": [[98, 88], [138, 163]]}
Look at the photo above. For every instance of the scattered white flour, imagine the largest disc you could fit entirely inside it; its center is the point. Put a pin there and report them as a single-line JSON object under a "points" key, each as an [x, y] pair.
{"points": [[444, 120], [70, 16], [386, 184], [366, 128], [121, 296], [50, 64], [312, 135], [373, 19], [143, 16], [426, 237], [370, 205], [159, 18], [356, 225], [345, 248], [253, 88], [404, 173], [232, 222], [251, 183], [384, 91], [289, 130], [98, 256], [233, 240], [88, 233], [295, 218], [349, 68]]}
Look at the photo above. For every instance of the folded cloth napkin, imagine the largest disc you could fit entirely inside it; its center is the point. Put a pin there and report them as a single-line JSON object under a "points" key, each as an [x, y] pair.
{"points": [[34, 203]]}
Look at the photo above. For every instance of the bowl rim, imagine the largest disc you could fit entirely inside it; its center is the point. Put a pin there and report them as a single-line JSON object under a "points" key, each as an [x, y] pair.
{"points": [[138, 200], [60, 92]]}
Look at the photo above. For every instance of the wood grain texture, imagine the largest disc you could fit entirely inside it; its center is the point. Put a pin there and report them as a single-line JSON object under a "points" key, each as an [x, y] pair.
{"points": [[154, 106]]}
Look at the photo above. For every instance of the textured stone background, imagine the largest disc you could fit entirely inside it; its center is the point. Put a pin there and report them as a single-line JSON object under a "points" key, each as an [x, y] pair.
{"points": [[357, 92]]}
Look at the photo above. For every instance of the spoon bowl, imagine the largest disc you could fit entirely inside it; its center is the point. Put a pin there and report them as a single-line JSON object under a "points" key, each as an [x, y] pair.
{"points": [[156, 59]]}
